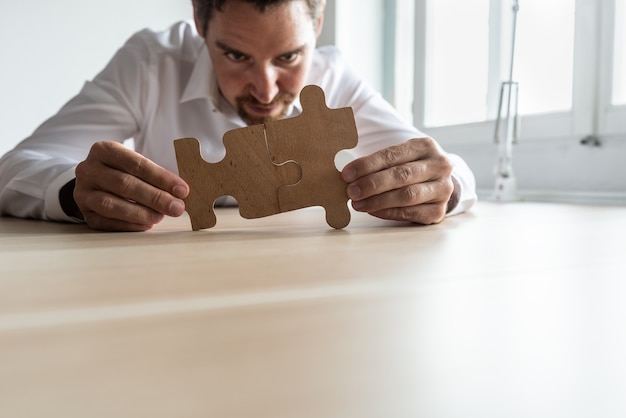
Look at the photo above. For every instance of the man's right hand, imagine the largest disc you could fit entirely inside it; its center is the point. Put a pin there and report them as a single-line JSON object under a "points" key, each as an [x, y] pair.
{"points": [[118, 189]]}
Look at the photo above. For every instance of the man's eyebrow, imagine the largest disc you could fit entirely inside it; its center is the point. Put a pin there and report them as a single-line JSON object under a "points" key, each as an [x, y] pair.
{"points": [[295, 51], [227, 48]]}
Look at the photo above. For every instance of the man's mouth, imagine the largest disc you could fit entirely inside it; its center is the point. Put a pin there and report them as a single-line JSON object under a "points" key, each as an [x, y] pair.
{"points": [[252, 111], [263, 110]]}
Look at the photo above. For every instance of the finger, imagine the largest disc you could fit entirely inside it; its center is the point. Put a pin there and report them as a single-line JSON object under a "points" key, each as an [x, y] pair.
{"points": [[120, 171], [412, 150], [394, 178], [97, 222], [134, 189], [117, 156], [109, 212], [408, 196], [112, 225], [427, 214]]}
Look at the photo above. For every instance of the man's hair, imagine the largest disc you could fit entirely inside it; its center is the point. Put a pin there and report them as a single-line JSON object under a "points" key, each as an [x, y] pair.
{"points": [[206, 8]]}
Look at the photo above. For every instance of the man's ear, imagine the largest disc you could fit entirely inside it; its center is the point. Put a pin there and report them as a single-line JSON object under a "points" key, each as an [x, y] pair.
{"points": [[319, 26], [320, 20], [196, 19]]}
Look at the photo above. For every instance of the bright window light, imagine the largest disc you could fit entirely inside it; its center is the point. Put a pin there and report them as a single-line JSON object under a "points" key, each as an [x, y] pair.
{"points": [[544, 56], [457, 59], [465, 38], [619, 60]]}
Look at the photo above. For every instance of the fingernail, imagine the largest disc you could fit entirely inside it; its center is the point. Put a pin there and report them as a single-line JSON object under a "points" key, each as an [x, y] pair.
{"points": [[354, 191], [156, 218], [177, 207], [358, 205], [179, 191], [349, 174]]}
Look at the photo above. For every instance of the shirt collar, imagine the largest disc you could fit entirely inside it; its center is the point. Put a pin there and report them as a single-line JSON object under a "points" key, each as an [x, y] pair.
{"points": [[202, 84]]}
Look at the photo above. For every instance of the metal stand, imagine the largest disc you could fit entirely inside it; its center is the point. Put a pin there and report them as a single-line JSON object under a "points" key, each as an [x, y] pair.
{"points": [[505, 185]]}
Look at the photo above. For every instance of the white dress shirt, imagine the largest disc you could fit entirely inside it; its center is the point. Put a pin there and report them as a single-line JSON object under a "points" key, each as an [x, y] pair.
{"points": [[161, 86]]}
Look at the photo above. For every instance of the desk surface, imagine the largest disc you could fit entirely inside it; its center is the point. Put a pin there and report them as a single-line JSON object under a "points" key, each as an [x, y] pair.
{"points": [[513, 310]]}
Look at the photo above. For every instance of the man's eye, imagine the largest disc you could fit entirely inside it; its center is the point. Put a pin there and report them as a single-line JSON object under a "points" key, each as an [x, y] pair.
{"points": [[235, 56], [290, 57]]}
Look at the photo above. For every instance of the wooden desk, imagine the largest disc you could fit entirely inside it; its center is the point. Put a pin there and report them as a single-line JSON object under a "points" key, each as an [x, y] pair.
{"points": [[513, 310]]}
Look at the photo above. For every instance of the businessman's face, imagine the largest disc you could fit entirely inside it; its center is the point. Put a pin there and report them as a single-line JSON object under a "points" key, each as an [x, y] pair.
{"points": [[261, 59]]}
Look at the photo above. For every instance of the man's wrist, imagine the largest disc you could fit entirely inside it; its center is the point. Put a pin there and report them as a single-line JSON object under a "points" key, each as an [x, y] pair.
{"points": [[66, 199]]}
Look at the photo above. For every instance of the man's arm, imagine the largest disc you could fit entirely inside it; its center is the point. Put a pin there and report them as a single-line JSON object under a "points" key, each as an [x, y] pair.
{"points": [[35, 176]]}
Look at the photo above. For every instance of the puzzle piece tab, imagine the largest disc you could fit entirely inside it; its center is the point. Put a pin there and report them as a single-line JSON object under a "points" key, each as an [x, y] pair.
{"points": [[313, 139], [246, 173]]}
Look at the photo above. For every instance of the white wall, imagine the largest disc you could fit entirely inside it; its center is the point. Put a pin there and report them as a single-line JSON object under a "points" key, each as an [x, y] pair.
{"points": [[50, 48]]}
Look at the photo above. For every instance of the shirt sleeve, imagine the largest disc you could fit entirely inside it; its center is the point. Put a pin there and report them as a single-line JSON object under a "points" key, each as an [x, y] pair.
{"points": [[107, 108], [467, 183]]}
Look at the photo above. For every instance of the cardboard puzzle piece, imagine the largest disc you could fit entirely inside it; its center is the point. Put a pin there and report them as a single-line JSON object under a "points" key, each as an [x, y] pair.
{"points": [[246, 173], [313, 139], [277, 167]]}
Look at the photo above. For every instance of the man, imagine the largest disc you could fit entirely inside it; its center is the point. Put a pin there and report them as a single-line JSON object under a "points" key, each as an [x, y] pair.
{"points": [[243, 62]]}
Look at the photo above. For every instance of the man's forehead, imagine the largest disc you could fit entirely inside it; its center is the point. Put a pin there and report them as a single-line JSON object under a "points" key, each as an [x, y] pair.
{"points": [[287, 25], [262, 6]]}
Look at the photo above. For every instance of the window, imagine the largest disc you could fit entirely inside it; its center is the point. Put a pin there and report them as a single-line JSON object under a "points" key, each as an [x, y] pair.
{"points": [[570, 62], [544, 55], [619, 54], [456, 62], [612, 96]]}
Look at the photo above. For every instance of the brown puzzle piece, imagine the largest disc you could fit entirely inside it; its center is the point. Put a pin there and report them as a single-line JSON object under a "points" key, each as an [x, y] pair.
{"points": [[312, 139], [246, 173], [305, 146]]}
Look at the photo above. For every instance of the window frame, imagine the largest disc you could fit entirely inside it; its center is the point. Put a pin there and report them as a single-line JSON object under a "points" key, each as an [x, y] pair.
{"points": [[611, 118], [592, 112]]}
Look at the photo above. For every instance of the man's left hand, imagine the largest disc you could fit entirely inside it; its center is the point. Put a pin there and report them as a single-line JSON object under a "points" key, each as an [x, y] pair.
{"points": [[407, 182]]}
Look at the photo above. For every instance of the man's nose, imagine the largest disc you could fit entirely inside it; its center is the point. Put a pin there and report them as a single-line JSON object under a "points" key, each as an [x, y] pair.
{"points": [[264, 83]]}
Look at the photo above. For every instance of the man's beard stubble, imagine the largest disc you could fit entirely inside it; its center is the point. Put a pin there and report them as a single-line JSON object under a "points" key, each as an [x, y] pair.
{"points": [[284, 99]]}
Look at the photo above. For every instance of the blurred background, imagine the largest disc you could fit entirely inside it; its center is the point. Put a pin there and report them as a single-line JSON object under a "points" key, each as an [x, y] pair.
{"points": [[441, 63]]}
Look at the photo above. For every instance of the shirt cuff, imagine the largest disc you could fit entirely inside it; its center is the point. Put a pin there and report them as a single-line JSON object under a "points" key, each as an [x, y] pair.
{"points": [[52, 206], [467, 184]]}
